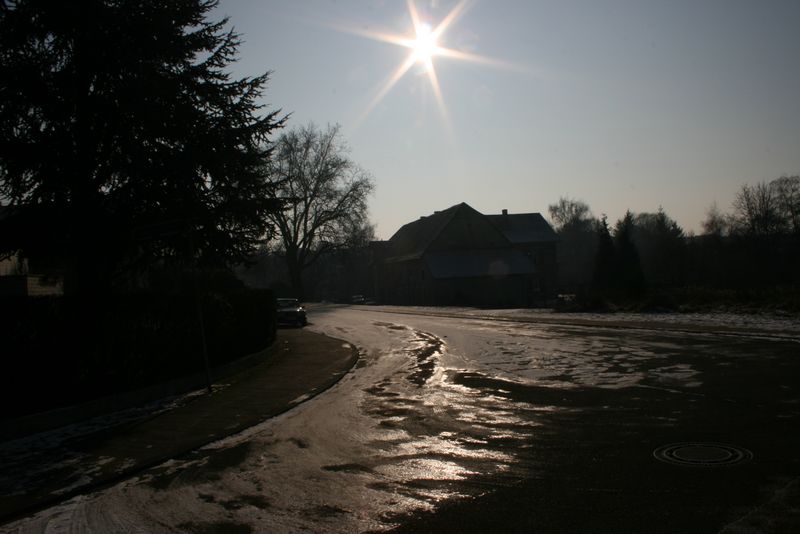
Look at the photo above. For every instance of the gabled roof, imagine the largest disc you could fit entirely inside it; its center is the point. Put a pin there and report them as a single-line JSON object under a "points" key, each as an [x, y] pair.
{"points": [[412, 239], [466, 228], [521, 228]]}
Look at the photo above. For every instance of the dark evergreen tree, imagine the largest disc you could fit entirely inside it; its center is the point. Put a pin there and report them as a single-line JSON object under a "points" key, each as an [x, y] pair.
{"points": [[605, 257], [628, 272], [661, 244], [121, 128]]}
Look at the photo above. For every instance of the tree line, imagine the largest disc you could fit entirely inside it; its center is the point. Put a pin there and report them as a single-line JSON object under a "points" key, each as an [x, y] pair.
{"points": [[751, 252], [127, 145]]}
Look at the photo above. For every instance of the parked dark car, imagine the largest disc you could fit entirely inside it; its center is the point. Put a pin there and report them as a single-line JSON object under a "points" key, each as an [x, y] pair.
{"points": [[291, 312]]}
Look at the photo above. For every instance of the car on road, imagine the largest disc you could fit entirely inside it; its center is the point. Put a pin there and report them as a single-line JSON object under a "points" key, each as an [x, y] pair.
{"points": [[290, 311]]}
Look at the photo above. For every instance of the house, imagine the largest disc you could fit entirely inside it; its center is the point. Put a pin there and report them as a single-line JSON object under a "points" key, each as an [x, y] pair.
{"points": [[459, 256], [16, 280], [17, 277]]}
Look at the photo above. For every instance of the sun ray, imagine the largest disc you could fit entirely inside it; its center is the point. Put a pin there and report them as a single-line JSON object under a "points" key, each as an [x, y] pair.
{"points": [[387, 86], [437, 91], [412, 9], [451, 17], [372, 34], [477, 58]]}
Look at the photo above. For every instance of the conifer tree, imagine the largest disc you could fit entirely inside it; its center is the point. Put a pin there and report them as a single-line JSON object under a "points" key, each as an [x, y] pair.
{"points": [[605, 257], [628, 271], [124, 135]]}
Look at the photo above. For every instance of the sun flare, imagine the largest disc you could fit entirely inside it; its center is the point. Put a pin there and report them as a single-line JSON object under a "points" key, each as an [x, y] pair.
{"points": [[424, 45]]}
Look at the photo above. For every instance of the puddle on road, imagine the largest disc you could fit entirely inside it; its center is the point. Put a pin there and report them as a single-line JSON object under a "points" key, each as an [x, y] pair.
{"points": [[426, 353]]}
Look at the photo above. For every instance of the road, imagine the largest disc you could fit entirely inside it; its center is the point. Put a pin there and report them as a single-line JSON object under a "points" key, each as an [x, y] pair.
{"points": [[475, 424]]}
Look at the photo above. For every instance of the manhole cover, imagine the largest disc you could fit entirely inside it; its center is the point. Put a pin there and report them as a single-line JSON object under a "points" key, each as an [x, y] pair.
{"points": [[702, 454]]}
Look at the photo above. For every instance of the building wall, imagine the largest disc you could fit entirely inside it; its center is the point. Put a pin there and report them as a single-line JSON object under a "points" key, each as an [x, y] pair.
{"points": [[410, 283], [407, 282], [545, 280], [506, 292], [31, 285]]}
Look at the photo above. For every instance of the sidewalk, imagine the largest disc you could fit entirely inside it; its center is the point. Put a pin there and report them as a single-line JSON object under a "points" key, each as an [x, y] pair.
{"points": [[39, 471]]}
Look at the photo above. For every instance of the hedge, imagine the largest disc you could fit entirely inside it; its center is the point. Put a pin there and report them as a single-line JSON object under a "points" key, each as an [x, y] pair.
{"points": [[58, 351]]}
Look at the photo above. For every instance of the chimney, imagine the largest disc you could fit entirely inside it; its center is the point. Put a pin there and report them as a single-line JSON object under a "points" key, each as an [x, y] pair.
{"points": [[505, 212]]}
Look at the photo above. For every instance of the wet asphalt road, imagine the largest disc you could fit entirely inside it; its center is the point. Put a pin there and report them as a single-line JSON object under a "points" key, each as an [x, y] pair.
{"points": [[475, 425], [581, 411]]}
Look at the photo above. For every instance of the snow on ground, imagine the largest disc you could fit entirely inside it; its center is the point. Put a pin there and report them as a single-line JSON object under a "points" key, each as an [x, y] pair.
{"points": [[762, 321]]}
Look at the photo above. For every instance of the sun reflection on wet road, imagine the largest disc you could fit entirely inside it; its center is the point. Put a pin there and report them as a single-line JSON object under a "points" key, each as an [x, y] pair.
{"points": [[440, 433]]}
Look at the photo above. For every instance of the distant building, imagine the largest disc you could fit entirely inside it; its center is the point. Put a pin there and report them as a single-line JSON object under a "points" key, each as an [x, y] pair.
{"points": [[19, 275], [459, 256]]}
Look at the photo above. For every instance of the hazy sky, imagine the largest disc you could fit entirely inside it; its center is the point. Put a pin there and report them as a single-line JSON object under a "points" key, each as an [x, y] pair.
{"points": [[623, 104]]}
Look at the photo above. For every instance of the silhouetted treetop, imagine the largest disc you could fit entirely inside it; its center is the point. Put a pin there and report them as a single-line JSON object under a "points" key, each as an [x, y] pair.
{"points": [[123, 111], [661, 244], [787, 193], [568, 214], [764, 209], [716, 222]]}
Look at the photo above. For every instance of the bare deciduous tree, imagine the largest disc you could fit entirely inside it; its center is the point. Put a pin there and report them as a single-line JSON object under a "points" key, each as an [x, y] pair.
{"points": [[787, 192], [324, 194], [716, 223], [568, 213], [756, 210]]}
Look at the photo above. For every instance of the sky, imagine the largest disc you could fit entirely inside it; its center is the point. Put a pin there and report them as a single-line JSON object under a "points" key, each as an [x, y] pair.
{"points": [[634, 104]]}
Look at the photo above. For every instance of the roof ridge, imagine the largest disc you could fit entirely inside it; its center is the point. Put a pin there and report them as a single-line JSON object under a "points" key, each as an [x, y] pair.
{"points": [[539, 213]]}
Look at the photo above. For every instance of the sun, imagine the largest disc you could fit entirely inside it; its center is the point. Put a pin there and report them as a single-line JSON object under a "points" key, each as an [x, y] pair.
{"points": [[424, 46]]}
